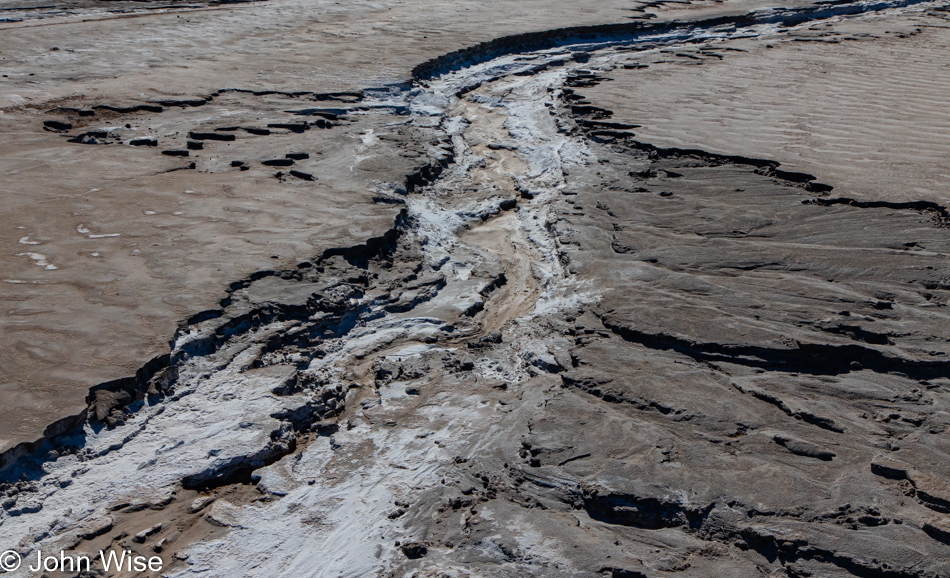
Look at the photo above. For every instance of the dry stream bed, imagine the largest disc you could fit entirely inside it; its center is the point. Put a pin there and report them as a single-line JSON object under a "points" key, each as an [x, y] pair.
{"points": [[574, 354]]}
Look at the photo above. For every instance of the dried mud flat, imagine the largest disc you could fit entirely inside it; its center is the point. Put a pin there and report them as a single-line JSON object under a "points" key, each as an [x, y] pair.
{"points": [[575, 340]]}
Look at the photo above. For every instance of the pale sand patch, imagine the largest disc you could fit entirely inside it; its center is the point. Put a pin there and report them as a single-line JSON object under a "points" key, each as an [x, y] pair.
{"points": [[867, 114]]}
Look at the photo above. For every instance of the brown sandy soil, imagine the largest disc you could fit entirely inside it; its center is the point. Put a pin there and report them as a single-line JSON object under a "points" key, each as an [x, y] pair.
{"points": [[109, 246], [861, 103]]}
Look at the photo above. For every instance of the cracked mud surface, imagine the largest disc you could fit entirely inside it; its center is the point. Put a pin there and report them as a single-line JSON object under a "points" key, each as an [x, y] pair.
{"points": [[571, 352]]}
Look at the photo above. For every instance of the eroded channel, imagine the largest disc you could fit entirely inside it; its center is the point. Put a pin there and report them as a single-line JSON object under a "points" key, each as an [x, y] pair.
{"points": [[450, 398]]}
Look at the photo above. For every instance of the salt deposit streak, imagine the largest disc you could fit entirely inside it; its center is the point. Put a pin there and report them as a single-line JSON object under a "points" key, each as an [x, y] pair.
{"points": [[39, 259]]}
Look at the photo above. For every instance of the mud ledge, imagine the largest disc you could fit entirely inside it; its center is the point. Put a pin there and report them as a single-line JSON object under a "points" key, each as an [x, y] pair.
{"points": [[548, 39], [156, 378]]}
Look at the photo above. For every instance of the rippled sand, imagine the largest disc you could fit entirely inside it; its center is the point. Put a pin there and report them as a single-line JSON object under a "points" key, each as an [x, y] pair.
{"points": [[861, 104]]}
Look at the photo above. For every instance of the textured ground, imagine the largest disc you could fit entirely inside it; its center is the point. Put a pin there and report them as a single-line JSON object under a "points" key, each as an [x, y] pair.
{"points": [[859, 103], [140, 241], [573, 350]]}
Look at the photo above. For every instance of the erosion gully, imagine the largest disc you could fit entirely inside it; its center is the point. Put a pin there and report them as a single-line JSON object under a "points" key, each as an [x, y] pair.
{"points": [[289, 432]]}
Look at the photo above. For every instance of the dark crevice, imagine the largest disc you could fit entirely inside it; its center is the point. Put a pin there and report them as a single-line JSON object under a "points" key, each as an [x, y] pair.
{"points": [[632, 32], [655, 514], [638, 512], [808, 358], [374, 248], [238, 470], [597, 388], [938, 212], [764, 167], [859, 334]]}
